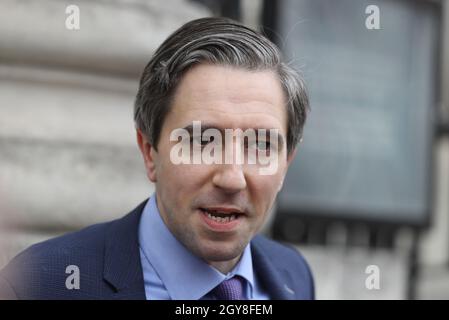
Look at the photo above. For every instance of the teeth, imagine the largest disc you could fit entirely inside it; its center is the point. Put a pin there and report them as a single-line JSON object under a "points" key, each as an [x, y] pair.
{"points": [[226, 219]]}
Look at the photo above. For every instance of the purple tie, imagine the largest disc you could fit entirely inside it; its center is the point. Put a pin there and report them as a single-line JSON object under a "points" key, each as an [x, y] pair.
{"points": [[231, 289]]}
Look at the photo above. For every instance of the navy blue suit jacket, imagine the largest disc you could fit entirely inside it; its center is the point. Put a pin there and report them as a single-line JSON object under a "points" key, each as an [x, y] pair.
{"points": [[108, 259]]}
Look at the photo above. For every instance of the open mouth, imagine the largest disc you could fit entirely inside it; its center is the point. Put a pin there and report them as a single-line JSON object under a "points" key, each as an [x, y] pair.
{"points": [[221, 216]]}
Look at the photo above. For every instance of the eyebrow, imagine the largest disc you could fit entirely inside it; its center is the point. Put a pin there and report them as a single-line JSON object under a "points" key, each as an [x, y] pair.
{"points": [[205, 126]]}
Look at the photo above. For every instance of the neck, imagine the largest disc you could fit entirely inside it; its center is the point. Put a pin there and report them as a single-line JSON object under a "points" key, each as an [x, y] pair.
{"points": [[225, 266]]}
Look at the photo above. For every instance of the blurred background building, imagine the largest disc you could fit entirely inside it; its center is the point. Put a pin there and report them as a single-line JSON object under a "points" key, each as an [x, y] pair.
{"points": [[370, 185]]}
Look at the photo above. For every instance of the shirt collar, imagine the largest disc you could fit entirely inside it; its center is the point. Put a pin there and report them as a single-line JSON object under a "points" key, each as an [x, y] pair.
{"points": [[184, 275]]}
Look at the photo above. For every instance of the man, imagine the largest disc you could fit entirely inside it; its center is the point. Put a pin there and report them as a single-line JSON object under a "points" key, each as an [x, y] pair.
{"points": [[196, 237]]}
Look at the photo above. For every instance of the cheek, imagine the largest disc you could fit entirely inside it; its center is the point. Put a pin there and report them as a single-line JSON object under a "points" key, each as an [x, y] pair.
{"points": [[182, 179], [264, 190]]}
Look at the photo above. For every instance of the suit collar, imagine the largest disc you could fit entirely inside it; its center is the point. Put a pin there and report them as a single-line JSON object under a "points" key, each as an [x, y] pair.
{"points": [[270, 276], [122, 267]]}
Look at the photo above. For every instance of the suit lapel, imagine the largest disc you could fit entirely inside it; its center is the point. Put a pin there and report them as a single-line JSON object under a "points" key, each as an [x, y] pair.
{"points": [[270, 276], [122, 267]]}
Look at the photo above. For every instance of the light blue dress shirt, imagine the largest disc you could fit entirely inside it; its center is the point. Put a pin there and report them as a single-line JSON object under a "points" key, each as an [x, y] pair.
{"points": [[171, 272]]}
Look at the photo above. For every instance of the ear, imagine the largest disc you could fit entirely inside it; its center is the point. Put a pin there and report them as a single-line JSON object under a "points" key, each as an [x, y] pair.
{"points": [[291, 156], [149, 155]]}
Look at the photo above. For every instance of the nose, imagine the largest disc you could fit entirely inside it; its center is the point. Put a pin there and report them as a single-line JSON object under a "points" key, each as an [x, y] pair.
{"points": [[230, 178]]}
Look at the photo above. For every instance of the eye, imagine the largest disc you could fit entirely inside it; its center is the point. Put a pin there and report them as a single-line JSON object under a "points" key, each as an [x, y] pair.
{"points": [[200, 141], [263, 145]]}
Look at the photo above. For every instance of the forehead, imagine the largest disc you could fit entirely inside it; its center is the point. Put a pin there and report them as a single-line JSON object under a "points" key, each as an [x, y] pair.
{"points": [[229, 97]]}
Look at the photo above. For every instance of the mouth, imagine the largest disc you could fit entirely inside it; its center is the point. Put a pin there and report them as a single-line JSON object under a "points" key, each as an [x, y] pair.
{"points": [[222, 219]]}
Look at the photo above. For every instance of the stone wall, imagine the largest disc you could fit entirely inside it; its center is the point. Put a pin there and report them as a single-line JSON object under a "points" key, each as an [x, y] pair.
{"points": [[68, 154]]}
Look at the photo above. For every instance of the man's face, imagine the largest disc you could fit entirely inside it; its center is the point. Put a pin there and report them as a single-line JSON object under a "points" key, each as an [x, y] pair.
{"points": [[223, 98]]}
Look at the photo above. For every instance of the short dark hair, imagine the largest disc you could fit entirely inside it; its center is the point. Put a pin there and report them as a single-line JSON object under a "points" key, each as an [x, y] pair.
{"points": [[218, 41]]}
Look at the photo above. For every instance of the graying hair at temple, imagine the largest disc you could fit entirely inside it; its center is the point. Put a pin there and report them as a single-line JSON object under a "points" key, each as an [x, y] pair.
{"points": [[217, 41]]}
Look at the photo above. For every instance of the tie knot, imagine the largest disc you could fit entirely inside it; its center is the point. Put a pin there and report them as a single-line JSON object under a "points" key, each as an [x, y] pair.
{"points": [[231, 289]]}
